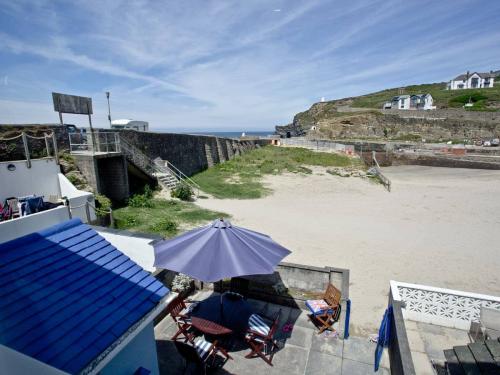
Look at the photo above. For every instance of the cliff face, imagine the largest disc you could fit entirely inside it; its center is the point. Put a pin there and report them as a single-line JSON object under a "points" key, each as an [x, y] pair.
{"points": [[331, 121]]}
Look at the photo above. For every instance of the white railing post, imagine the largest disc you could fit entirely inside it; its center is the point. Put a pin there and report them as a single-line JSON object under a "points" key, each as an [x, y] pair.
{"points": [[26, 150]]}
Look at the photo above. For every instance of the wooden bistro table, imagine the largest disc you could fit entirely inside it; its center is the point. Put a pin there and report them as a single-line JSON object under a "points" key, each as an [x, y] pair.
{"points": [[211, 328]]}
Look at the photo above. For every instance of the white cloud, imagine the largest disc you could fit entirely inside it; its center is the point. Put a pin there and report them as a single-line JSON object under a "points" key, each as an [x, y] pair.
{"points": [[231, 64]]}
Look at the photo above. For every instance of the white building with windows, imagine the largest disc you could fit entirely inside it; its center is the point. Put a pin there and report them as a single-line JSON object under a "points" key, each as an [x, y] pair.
{"points": [[142, 126], [473, 80], [400, 102]]}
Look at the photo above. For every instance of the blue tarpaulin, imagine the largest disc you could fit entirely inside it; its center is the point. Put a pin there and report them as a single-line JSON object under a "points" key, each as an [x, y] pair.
{"points": [[384, 336]]}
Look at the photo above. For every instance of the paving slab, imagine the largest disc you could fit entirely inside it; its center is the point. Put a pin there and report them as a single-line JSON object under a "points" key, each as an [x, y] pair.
{"points": [[359, 349], [299, 318], [438, 338], [358, 368], [169, 360], [299, 336], [422, 364], [327, 345], [290, 361], [321, 364], [415, 341]]}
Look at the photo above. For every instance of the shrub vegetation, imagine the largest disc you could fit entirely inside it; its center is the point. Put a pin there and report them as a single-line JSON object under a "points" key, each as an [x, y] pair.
{"points": [[240, 177]]}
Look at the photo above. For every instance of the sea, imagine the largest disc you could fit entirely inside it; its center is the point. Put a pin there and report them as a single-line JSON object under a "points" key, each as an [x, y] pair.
{"points": [[263, 134]]}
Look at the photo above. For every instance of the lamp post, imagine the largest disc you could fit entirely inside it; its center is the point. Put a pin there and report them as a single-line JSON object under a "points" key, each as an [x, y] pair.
{"points": [[109, 109]]}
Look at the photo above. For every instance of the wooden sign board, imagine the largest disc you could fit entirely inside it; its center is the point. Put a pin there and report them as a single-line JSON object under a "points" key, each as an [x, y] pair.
{"points": [[72, 104]]}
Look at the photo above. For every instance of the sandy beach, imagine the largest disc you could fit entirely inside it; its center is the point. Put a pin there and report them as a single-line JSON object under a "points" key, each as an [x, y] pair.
{"points": [[438, 227]]}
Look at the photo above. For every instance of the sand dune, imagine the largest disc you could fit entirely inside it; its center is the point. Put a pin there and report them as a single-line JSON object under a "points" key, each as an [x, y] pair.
{"points": [[437, 227]]}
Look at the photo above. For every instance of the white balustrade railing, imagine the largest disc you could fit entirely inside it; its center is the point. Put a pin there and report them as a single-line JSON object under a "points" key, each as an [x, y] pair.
{"points": [[445, 307]]}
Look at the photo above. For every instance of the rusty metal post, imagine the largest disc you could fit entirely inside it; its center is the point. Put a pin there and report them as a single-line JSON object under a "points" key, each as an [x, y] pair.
{"points": [[26, 150]]}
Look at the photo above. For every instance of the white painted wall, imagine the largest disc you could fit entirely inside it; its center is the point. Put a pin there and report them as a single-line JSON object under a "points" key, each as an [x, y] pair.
{"points": [[77, 199], [40, 179], [22, 226], [15, 363], [140, 352], [139, 249]]}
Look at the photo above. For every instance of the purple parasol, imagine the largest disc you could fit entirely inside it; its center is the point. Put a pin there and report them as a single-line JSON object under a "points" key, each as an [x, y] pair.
{"points": [[218, 251]]}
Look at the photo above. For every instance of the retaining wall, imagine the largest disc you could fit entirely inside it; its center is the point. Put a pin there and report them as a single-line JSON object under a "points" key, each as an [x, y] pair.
{"points": [[189, 153], [442, 161], [450, 113]]}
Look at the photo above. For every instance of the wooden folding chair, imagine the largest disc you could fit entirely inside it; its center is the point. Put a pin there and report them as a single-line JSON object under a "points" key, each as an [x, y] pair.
{"points": [[260, 335], [180, 313], [325, 311], [200, 352]]}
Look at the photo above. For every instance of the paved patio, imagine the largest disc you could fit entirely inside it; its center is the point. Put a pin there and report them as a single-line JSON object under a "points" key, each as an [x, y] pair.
{"points": [[427, 342], [302, 351]]}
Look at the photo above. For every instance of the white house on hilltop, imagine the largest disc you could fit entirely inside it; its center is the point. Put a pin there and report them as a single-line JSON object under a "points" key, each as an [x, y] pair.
{"points": [[400, 102], [472, 81], [407, 102], [422, 101]]}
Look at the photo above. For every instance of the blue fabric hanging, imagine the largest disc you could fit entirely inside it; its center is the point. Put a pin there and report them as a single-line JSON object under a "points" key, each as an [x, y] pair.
{"points": [[384, 335]]}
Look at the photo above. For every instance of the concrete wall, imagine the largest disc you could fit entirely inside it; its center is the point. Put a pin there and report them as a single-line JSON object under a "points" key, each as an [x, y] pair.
{"points": [[442, 161], [40, 179], [137, 246], [77, 200], [113, 177], [399, 348], [189, 153], [107, 174], [15, 363], [301, 282], [22, 226], [140, 352]]}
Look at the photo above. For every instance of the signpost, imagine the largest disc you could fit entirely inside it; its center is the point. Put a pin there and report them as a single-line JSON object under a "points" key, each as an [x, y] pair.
{"points": [[79, 105]]}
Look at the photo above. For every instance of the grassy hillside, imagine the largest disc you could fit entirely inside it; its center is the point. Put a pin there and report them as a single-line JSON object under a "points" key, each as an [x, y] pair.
{"points": [[483, 99]]}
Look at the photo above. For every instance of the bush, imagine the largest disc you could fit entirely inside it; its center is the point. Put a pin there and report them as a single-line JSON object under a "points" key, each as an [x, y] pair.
{"points": [[102, 205], [165, 225], [181, 283], [183, 192], [142, 200], [464, 99]]}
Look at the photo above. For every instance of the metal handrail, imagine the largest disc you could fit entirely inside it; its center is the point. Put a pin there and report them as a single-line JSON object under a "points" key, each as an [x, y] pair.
{"points": [[183, 175], [148, 165]]}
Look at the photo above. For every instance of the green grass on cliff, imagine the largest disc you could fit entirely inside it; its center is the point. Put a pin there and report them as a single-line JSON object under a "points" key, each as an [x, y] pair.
{"points": [[483, 99], [164, 217], [240, 178]]}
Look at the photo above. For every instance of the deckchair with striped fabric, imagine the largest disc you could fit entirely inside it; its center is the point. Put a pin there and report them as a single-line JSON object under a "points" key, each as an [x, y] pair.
{"points": [[260, 335]]}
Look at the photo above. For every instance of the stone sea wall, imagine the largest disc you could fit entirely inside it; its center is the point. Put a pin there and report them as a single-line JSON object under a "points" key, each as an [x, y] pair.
{"points": [[189, 153]]}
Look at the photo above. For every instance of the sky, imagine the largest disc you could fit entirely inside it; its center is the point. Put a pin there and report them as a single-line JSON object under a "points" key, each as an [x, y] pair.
{"points": [[230, 65]]}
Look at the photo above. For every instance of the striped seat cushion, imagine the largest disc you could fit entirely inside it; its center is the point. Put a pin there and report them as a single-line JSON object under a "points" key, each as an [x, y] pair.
{"points": [[202, 347], [317, 306], [189, 309], [257, 324]]}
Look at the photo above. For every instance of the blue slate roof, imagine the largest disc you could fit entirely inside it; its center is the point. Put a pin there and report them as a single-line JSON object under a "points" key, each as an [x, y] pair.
{"points": [[66, 294]]}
